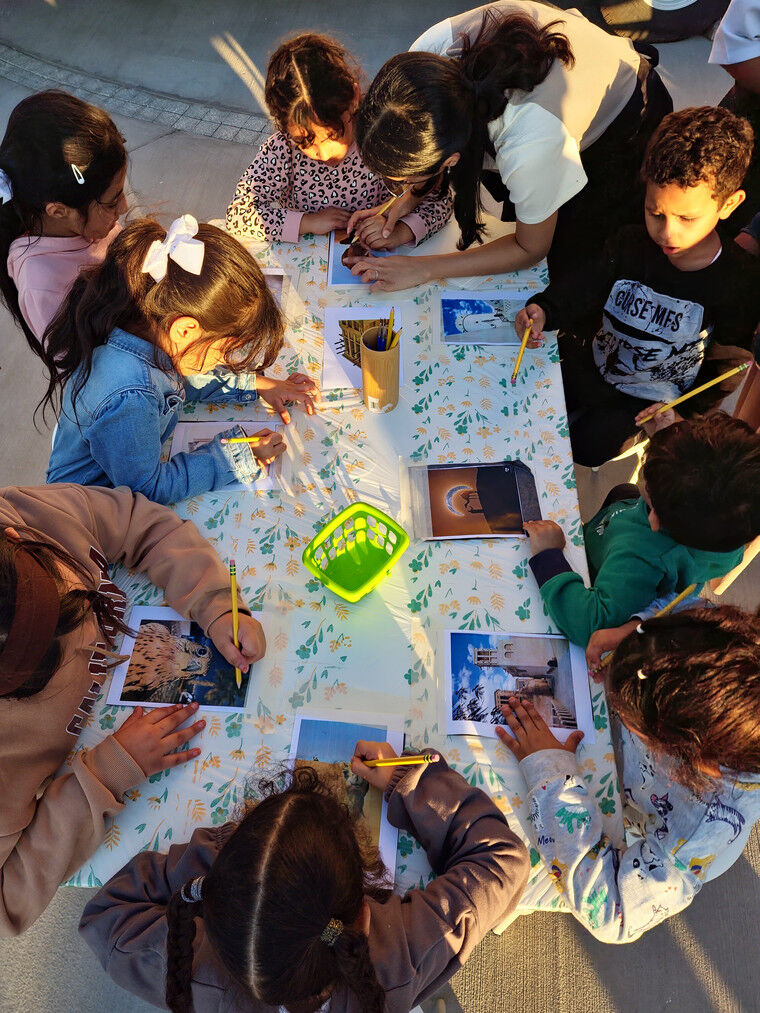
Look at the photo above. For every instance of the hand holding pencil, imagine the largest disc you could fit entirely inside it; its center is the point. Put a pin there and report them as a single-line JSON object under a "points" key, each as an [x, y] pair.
{"points": [[376, 762]]}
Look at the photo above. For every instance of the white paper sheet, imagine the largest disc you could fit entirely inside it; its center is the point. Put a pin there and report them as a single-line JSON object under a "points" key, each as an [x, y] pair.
{"points": [[189, 435]]}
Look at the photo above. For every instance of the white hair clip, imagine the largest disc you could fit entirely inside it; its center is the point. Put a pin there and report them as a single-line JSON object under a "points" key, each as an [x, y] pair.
{"points": [[179, 245], [6, 190], [77, 173]]}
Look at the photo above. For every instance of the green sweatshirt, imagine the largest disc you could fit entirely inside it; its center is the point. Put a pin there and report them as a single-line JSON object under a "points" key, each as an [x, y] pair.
{"points": [[629, 565]]}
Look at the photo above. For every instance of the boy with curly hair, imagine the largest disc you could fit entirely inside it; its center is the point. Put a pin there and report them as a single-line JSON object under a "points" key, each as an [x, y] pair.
{"points": [[669, 305]]}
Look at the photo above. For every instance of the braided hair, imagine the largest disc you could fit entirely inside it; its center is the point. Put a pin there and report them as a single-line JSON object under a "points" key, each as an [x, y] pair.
{"points": [[296, 863]]}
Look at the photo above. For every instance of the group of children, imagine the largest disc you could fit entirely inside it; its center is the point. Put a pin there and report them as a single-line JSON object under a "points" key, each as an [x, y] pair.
{"points": [[289, 907]]}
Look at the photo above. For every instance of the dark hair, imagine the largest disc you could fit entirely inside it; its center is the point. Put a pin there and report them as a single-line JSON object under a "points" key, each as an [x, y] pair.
{"points": [[703, 481], [690, 683], [421, 108], [47, 133], [310, 79], [296, 861], [704, 144], [229, 299], [76, 604]]}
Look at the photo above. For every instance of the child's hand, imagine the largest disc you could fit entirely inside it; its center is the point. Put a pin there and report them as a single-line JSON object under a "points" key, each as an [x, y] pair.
{"points": [[270, 447], [604, 641], [531, 314], [403, 206], [370, 234], [297, 389], [532, 734], [660, 421], [319, 223], [380, 777], [150, 738], [253, 643], [544, 535], [390, 274]]}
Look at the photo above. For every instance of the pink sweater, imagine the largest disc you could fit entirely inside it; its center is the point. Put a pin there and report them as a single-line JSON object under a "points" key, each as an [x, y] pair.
{"points": [[43, 269], [282, 184]]}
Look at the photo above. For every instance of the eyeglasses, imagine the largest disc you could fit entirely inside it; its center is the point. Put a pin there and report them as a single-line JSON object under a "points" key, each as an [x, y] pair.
{"points": [[420, 188], [111, 205]]}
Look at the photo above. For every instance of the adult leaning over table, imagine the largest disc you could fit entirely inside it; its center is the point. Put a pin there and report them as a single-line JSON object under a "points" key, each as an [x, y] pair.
{"points": [[548, 111], [60, 614]]}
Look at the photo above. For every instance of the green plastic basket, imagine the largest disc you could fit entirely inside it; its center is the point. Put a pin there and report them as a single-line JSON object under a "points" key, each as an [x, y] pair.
{"points": [[355, 550]]}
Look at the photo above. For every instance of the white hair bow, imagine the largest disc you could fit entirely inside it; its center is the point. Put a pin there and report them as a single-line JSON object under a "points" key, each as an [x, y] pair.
{"points": [[6, 190], [179, 245]]}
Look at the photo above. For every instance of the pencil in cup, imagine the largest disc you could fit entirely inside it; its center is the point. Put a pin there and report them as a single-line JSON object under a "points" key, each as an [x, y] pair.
{"points": [[663, 612], [523, 345], [697, 390], [235, 640], [409, 760]]}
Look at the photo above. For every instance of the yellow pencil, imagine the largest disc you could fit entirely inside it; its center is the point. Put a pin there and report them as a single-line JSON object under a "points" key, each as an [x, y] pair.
{"points": [[697, 390], [380, 211], [663, 612], [242, 439], [402, 761], [394, 339], [389, 331], [233, 592], [520, 354]]}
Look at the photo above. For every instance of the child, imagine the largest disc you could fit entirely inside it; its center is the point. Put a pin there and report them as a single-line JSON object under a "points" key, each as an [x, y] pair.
{"points": [[289, 908], [671, 295], [308, 177], [684, 693], [699, 504], [164, 318], [62, 172], [59, 616]]}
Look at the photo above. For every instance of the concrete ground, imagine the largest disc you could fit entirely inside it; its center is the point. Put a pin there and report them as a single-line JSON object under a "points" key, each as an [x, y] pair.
{"points": [[183, 80]]}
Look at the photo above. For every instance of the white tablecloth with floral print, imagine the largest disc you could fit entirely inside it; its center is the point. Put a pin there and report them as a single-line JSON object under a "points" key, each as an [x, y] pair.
{"points": [[384, 654]]}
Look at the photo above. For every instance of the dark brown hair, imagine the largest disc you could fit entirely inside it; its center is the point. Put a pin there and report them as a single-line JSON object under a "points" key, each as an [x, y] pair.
{"points": [[704, 144], [703, 481], [422, 108], [229, 299], [310, 79], [296, 861], [690, 683], [46, 134], [76, 604]]}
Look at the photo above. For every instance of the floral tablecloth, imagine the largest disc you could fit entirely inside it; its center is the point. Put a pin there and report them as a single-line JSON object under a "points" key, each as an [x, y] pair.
{"points": [[384, 654]]}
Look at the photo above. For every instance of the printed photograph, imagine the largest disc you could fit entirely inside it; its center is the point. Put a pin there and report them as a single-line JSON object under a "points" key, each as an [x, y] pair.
{"points": [[172, 661], [484, 669], [191, 436], [475, 502], [481, 318], [344, 326], [338, 272]]}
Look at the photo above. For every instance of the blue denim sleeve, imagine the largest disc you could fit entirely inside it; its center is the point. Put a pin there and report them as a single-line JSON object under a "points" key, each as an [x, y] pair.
{"points": [[125, 440], [221, 385]]}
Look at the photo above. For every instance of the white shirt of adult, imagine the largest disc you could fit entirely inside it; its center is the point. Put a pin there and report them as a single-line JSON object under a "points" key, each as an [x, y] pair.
{"points": [[539, 137], [738, 35]]}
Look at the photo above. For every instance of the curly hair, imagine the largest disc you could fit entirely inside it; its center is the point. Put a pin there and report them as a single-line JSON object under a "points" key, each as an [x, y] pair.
{"points": [[690, 685], [703, 481], [702, 144], [296, 860]]}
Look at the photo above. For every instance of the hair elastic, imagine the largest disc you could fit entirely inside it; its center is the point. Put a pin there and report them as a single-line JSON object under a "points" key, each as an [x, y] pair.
{"points": [[331, 931], [6, 190], [193, 888], [77, 173], [641, 674]]}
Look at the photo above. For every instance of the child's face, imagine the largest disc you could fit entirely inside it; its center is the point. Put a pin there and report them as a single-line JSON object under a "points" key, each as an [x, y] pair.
{"points": [[324, 146], [679, 218], [104, 213]]}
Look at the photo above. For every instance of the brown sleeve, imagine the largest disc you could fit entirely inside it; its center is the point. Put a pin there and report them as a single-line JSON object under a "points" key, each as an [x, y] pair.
{"points": [[45, 843]]}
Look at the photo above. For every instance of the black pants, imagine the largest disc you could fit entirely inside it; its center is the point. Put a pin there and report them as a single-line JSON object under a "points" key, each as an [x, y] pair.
{"points": [[613, 195], [747, 104]]}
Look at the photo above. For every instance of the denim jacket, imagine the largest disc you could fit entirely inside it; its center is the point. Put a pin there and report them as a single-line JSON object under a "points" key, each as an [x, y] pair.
{"points": [[127, 408]]}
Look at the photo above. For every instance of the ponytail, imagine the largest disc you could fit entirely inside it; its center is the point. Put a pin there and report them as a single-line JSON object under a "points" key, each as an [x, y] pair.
{"points": [[356, 970], [180, 920], [421, 108]]}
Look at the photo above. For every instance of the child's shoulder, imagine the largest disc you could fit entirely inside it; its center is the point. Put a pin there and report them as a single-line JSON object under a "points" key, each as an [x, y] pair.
{"points": [[277, 144]]}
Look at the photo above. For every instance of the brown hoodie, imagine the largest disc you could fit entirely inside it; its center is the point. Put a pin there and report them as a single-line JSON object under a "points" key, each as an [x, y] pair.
{"points": [[50, 825], [416, 942]]}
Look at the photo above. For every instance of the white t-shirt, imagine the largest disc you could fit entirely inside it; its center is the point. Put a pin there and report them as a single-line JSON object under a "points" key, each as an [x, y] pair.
{"points": [[738, 35], [540, 135]]}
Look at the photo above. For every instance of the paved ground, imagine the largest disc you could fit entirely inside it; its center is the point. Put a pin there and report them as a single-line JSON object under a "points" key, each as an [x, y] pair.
{"points": [[182, 78]]}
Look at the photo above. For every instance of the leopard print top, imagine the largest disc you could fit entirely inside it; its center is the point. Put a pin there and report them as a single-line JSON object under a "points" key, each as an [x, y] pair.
{"points": [[282, 184]]}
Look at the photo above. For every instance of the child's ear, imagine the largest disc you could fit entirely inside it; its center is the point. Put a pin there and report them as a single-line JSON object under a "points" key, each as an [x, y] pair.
{"points": [[183, 330], [451, 161], [54, 209], [730, 204]]}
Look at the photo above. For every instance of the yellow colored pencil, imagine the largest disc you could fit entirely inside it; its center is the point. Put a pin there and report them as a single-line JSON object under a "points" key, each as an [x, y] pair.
{"points": [[394, 339], [697, 390], [233, 592], [409, 760], [663, 612], [523, 345], [242, 439]]}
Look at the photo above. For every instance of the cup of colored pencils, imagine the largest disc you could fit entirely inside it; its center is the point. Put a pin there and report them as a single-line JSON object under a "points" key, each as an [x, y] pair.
{"points": [[380, 356]]}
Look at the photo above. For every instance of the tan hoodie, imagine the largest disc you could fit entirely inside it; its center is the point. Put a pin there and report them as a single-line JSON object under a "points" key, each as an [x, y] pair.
{"points": [[50, 825]]}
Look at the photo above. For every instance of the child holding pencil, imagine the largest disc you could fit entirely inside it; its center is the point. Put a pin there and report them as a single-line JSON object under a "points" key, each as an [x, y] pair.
{"points": [[167, 317], [669, 305], [308, 176], [683, 692], [290, 908]]}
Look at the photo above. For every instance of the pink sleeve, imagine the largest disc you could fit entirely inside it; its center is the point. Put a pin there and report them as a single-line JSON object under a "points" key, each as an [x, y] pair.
{"points": [[259, 208], [430, 215], [39, 306]]}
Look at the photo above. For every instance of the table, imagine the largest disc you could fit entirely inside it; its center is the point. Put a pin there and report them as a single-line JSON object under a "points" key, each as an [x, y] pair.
{"points": [[384, 653]]}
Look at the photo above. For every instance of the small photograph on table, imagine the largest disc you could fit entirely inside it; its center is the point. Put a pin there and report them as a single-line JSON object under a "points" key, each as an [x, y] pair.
{"points": [[483, 670], [191, 436], [275, 280], [344, 326], [338, 272], [481, 318], [172, 661], [476, 501], [326, 742]]}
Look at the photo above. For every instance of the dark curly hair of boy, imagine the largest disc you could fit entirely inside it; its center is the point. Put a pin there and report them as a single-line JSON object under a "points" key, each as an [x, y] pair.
{"points": [[703, 481], [702, 144]]}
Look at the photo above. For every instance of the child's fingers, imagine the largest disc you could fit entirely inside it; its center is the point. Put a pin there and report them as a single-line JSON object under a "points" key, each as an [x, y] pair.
{"points": [[177, 759], [155, 714], [532, 714], [169, 722], [510, 742], [177, 739], [510, 716], [573, 741], [535, 341]]}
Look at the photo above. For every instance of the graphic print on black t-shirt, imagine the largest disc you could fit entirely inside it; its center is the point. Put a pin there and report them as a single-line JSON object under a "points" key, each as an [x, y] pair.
{"points": [[650, 345]]}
